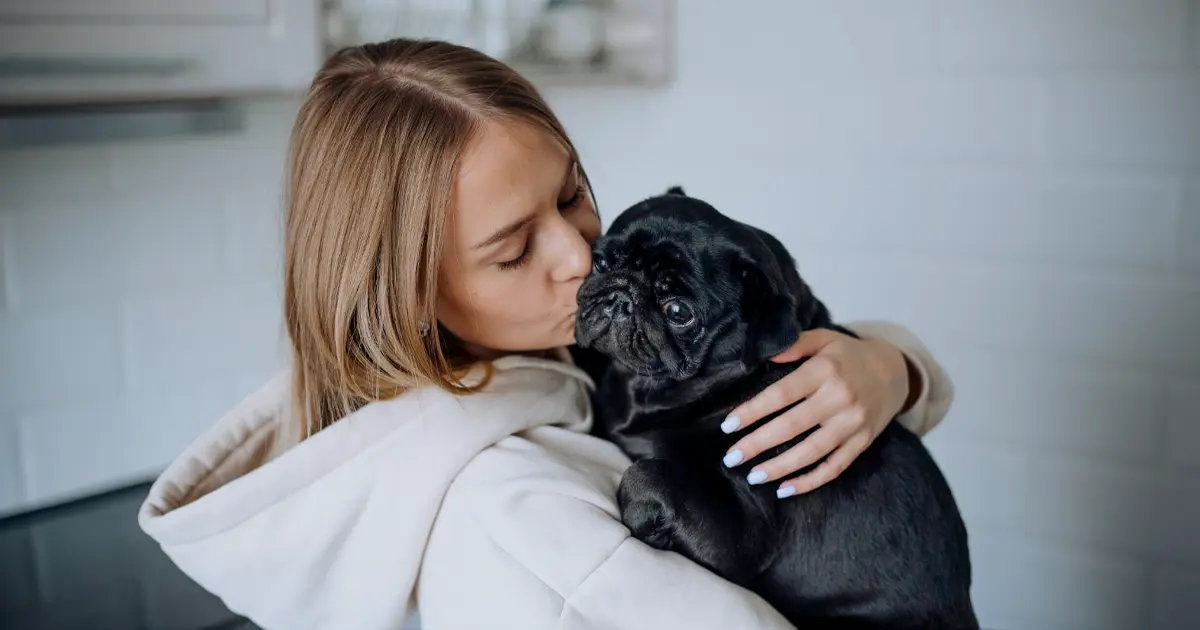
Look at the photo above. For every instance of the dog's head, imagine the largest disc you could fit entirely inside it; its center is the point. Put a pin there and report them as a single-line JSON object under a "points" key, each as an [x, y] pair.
{"points": [[678, 290]]}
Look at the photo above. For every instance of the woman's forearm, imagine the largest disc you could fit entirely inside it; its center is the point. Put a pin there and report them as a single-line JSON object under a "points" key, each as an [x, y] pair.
{"points": [[930, 389]]}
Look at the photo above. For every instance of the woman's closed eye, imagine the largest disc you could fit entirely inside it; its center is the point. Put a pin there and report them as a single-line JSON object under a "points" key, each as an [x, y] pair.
{"points": [[526, 251], [521, 259], [574, 199]]}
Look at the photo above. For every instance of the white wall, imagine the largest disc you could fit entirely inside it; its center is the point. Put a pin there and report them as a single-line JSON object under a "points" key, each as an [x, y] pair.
{"points": [[1016, 180]]}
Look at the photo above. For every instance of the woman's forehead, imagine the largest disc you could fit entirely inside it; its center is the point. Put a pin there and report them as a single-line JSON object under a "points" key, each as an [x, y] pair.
{"points": [[509, 159], [508, 170]]}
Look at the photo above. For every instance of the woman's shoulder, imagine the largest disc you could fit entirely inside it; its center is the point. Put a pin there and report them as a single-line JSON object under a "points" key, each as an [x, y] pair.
{"points": [[546, 483], [545, 459], [545, 496]]}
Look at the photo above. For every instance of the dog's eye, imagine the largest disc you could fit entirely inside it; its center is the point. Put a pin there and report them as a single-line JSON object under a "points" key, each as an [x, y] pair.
{"points": [[599, 264], [678, 313]]}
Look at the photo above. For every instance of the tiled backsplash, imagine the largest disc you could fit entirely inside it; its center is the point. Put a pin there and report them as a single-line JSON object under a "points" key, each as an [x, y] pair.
{"points": [[1016, 180]]}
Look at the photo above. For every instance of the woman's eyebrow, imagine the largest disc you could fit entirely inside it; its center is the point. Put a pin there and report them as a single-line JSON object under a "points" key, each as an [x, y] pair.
{"points": [[505, 232]]}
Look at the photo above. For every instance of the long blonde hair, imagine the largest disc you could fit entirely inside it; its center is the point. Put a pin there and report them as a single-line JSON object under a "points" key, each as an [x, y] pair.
{"points": [[371, 167]]}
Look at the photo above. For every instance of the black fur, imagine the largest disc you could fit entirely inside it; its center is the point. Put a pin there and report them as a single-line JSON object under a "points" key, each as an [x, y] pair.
{"points": [[881, 546]]}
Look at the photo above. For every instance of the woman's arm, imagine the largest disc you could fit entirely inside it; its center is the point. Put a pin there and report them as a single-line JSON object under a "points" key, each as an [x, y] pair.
{"points": [[531, 532], [850, 388], [636, 586], [930, 390]]}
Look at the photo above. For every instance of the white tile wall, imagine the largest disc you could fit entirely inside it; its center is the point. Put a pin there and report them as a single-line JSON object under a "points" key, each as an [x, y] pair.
{"points": [[69, 448], [12, 491], [1195, 39], [1127, 122], [168, 420], [1097, 410], [1063, 35], [1189, 233], [46, 177], [64, 355], [1183, 424], [1016, 180], [1093, 591]]}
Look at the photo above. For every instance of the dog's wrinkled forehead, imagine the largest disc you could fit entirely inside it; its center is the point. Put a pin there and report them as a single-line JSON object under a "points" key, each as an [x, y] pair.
{"points": [[670, 234], [656, 245]]}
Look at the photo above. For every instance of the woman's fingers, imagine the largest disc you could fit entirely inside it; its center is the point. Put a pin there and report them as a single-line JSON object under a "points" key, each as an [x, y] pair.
{"points": [[803, 382], [836, 389], [782, 429], [828, 470], [809, 451], [808, 344]]}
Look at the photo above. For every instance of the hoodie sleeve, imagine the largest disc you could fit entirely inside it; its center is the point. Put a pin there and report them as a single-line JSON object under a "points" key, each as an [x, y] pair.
{"points": [[636, 586], [662, 590], [937, 390], [545, 532]]}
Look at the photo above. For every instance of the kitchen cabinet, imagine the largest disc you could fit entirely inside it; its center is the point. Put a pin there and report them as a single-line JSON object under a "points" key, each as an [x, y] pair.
{"points": [[94, 51], [553, 42]]}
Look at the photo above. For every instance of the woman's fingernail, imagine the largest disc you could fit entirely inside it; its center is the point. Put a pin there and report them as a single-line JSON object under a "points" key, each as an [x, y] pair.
{"points": [[733, 458], [757, 477], [785, 491], [731, 424]]}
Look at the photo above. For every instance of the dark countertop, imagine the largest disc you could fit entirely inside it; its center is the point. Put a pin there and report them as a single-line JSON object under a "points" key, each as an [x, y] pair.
{"points": [[87, 564]]}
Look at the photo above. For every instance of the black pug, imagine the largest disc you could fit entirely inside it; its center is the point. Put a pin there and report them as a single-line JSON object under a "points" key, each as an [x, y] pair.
{"points": [[689, 305]]}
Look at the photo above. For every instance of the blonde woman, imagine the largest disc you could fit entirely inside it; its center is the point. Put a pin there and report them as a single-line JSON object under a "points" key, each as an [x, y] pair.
{"points": [[428, 447]]}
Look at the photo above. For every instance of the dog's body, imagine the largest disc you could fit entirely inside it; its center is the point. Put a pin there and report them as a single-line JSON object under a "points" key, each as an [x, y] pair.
{"points": [[881, 546]]}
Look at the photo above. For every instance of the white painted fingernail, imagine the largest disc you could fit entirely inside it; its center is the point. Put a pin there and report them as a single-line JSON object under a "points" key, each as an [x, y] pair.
{"points": [[785, 491], [731, 424], [733, 458], [757, 477]]}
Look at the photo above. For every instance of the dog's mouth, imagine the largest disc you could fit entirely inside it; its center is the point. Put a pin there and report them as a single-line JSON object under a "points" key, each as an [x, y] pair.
{"points": [[588, 326]]}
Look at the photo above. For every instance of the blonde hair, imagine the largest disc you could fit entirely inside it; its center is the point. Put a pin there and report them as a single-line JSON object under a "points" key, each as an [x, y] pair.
{"points": [[371, 167]]}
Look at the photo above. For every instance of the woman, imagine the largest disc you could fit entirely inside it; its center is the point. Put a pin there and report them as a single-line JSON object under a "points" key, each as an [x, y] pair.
{"points": [[428, 447]]}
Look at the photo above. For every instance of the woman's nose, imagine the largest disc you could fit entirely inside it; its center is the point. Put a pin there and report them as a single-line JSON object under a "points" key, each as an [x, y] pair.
{"points": [[574, 259]]}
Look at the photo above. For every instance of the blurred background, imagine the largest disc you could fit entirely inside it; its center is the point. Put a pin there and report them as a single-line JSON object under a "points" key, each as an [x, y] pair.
{"points": [[1017, 181]]}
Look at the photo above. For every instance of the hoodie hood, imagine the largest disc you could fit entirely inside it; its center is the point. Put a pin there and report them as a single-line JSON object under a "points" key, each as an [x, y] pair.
{"points": [[292, 534]]}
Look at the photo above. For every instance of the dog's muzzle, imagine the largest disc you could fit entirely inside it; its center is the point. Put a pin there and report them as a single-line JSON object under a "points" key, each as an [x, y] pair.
{"points": [[604, 302]]}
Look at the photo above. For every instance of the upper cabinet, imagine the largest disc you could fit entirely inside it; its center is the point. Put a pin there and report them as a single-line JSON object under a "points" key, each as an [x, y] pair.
{"points": [[551, 41], [96, 51], [88, 52]]}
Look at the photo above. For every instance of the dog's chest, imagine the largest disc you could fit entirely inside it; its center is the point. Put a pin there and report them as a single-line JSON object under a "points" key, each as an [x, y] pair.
{"points": [[664, 433]]}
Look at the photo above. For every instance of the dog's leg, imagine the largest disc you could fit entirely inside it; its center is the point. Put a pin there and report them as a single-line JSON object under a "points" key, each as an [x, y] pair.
{"points": [[668, 507]]}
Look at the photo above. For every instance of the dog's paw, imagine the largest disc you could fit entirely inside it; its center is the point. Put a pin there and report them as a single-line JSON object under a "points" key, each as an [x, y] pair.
{"points": [[649, 520], [644, 499]]}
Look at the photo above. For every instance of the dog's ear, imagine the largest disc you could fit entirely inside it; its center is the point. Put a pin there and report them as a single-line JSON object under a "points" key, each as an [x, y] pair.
{"points": [[769, 310], [676, 190]]}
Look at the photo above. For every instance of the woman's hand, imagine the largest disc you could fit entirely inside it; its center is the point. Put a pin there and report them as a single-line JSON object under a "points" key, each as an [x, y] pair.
{"points": [[850, 387]]}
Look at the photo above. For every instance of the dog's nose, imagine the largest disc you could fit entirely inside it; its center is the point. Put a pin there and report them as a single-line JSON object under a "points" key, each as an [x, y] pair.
{"points": [[619, 306]]}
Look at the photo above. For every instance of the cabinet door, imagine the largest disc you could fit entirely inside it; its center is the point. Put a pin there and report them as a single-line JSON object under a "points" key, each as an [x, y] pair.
{"points": [[136, 10], [72, 51]]}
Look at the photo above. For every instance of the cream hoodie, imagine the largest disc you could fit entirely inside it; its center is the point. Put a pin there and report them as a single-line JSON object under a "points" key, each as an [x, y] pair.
{"points": [[490, 511]]}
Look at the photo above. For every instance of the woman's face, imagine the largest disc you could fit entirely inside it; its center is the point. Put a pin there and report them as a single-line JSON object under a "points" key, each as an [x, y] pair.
{"points": [[518, 243]]}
